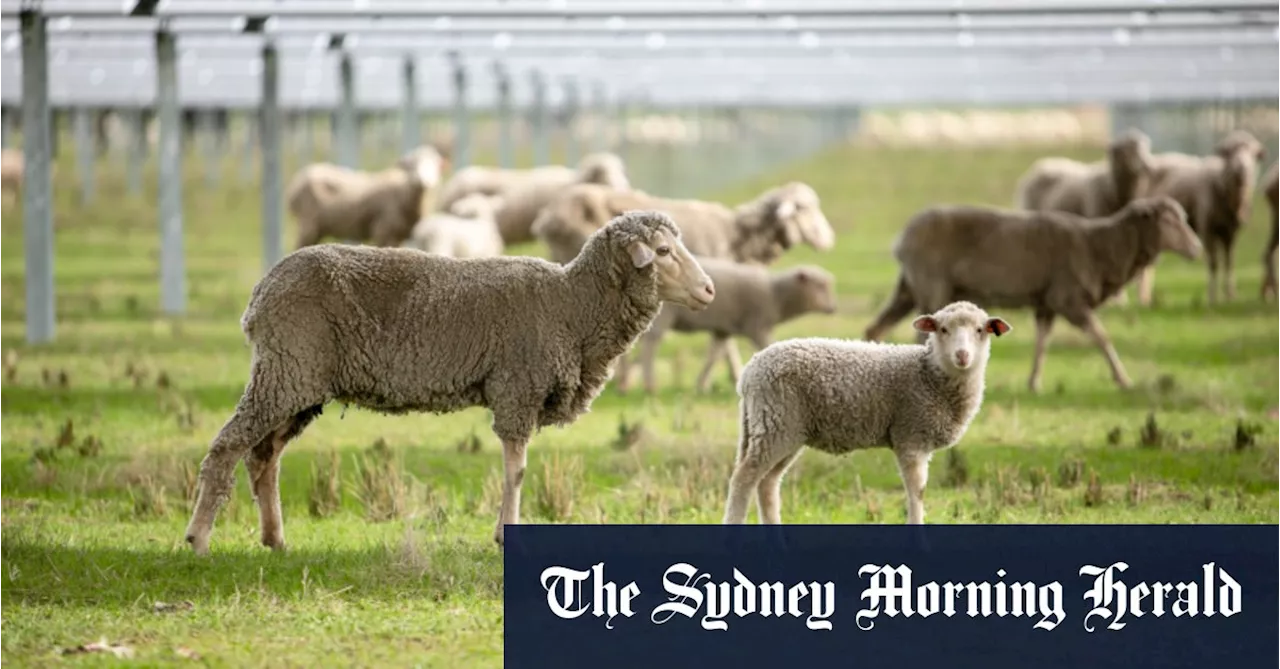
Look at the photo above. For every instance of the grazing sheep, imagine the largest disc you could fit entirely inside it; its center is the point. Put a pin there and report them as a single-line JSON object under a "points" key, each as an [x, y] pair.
{"points": [[1271, 191], [1217, 193], [756, 231], [12, 170], [838, 396], [466, 231], [380, 207], [1091, 190], [750, 302], [526, 192], [397, 330], [1053, 262]]}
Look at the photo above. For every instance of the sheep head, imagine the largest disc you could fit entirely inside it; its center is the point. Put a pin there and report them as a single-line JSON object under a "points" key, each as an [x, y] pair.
{"points": [[652, 247], [425, 164], [1129, 156], [1176, 234], [796, 209], [605, 169], [959, 336]]}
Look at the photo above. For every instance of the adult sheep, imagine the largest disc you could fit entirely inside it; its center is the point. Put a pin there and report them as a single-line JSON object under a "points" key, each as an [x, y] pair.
{"points": [[1092, 190], [758, 231], [379, 207], [398, 330], [1271, 191], [1217, 193], [525, 192], [1053, 262]]}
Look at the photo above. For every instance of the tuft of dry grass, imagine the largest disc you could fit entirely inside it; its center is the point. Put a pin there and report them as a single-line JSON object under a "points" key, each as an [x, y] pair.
{"points": [[556, 487], [325, 497], [956, 473], [1093, 491], [380, 483]]}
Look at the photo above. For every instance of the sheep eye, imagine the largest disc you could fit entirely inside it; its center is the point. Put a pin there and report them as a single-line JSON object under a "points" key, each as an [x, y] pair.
{"points": [[944, 331], [664, 250], [979, 330]]}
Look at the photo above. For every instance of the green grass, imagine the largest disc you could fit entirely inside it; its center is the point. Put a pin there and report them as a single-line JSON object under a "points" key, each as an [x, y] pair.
{"points": [[93, 519]]}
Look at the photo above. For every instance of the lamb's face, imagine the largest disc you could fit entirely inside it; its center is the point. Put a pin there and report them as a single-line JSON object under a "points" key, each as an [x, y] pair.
{"points": [[475, 206], [1176, 234], [605, 169], [426, 164], [961, 335], [1133, 152], [817, 286], [798, 210], [680, 278]]}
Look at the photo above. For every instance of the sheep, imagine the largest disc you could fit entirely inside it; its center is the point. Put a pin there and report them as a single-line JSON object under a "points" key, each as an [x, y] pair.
{"points": [[526, 192], [381, 207], [1054, 262], [750, 302], [839, 395], [756, 231], [1216, 191], [1092, 190], [466, 231], [12, 171], [1271, 191], [398, 330]]}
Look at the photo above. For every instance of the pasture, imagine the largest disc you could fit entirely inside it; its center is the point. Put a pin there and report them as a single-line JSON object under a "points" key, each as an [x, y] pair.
{"points": [[389, 519]]}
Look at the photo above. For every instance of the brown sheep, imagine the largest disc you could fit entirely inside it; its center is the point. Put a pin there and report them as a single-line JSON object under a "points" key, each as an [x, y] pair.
{"points": [[1091, 190], [1216, 191], [1053, 262], [758, 231], [1271, 191], [379, 207], [525, 192]]}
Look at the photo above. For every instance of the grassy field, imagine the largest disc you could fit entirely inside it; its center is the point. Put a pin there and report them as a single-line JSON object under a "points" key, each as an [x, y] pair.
{"points": [[389, 519]]}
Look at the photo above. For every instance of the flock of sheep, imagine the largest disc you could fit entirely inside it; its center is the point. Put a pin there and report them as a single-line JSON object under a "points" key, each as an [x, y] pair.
{"points": [[379, 327], [432, 316]]}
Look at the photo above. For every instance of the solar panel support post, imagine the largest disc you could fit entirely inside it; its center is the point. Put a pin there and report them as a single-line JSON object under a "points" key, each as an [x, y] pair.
{"points": [[538, 113], [410, 128], [348, 141], [211, 148], [37, 188], [173, 280], [506, 148], [600, 116], [86, 151], [136, 150], [461, 117], [569, 107], [272, 185]]}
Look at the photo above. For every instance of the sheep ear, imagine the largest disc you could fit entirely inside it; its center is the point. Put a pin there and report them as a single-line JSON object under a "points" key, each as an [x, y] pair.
{"points": [[925, 324], [997, 326], [803, 276], [786, 209], [641, 254]]}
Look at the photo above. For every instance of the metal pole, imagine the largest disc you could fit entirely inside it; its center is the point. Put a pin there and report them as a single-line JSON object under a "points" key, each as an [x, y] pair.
{"points": [[570, 106], [411, 135], [6, 127], [250, 144], [308, 126], [37, 214], [348, 153], [461, 119], [86, 152], [506, 152], [137, 151], [269, 125], [541, 152], [173, 288]]}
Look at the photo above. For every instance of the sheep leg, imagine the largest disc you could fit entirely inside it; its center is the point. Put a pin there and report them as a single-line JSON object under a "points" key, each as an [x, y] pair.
{"points": [[249, 426], [648, 360], [515, 457], [770, 491], [1211, 257], [714, 350], [735, 360], [1095, 330], [914, 468], [263, 464], [622, 372], [900, 304], [1044, 325], [1146, 285], [1228, 269], [757, 458]]}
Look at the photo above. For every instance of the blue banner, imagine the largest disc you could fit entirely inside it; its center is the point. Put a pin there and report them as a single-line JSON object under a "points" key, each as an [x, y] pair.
{"points": [[709, 596]]}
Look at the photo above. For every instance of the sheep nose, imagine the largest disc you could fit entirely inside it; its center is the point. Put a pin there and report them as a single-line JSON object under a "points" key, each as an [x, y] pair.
{"points": [[962, 358], [709, 290]]}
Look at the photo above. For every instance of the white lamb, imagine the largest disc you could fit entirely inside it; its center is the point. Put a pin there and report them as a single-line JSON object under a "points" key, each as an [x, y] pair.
{"points": [[839, 395], [467, 230]]}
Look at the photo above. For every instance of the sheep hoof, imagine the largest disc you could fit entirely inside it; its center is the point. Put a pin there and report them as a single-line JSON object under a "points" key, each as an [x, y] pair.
{"points": [[198, 546], [499, 539]]}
